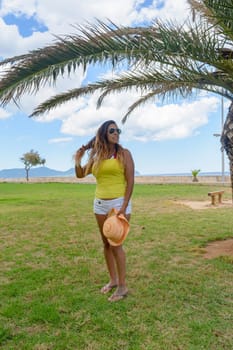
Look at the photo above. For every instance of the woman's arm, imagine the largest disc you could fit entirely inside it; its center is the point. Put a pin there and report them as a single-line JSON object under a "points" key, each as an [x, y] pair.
{"points": [[129, 176], [79, 170]]}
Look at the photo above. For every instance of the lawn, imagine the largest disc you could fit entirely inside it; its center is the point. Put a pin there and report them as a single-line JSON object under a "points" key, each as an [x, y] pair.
{"points": [[52, 269]]}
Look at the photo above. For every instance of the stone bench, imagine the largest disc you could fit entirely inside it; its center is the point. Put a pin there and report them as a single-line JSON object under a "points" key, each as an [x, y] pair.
{"points": [[214, 195]]}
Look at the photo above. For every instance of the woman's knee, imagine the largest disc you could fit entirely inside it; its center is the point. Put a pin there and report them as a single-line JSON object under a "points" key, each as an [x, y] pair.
{"points": [[117, 250], [105, 242]]}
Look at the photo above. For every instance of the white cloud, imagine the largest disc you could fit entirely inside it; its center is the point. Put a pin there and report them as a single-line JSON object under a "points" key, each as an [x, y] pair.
{"points": [[59, 19], [4, 114], [17, 7], [148, 123], [164, 10], [12, 43], [171, 121], [80, 117], [60, 140]]}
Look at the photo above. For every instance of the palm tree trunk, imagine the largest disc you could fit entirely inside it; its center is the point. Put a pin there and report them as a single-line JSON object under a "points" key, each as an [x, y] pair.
{"points": [[227, 141], [231, 172]]}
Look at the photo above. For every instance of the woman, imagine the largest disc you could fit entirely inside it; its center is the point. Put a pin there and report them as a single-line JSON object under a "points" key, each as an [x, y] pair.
{"points": [[113, 167]]}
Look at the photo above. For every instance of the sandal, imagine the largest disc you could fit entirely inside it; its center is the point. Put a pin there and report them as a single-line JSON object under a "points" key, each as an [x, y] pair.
{"points": [[108, 288], [117, 295]]}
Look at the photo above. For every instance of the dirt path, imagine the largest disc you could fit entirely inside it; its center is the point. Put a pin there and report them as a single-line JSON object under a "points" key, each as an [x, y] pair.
{"points": [[206, 204]]}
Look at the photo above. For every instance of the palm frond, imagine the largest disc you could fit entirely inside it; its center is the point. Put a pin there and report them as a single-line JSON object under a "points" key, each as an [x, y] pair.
{"points": [[100, 44], [14, 59], [169, 83], [59, 99], [215, 12], [198, 7], [222, 12], [163, 59], [103, 44]]}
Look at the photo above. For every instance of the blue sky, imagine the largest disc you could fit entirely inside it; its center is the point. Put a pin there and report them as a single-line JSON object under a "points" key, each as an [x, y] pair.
{"points": [[173, 137]]}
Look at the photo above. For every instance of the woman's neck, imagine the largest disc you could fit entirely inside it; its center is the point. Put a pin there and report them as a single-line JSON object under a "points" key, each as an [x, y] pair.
{"points": [[112, 148], [112, 151]]}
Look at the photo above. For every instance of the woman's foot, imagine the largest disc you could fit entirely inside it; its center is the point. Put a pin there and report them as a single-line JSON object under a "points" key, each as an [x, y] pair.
{"points": [[119, 294], [108, 288]]}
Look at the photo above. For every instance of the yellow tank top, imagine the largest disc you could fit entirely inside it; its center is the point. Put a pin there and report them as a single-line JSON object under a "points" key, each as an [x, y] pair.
{"points": [[110, 179]]}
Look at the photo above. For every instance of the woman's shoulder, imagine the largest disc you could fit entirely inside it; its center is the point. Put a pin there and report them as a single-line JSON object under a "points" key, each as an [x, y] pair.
{"points": [[126, 153], [126, 150]]}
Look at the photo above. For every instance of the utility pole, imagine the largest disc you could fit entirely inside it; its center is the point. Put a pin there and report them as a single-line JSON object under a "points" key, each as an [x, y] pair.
{"points": [[219, 135]]}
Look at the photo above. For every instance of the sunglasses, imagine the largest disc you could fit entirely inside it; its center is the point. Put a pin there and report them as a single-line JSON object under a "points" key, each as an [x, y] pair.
{"points": [[112, 130]]}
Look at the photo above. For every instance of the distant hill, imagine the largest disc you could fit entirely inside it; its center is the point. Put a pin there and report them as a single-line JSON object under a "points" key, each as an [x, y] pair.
{"points": [[35, 172], [47, 172], [213, 173]]}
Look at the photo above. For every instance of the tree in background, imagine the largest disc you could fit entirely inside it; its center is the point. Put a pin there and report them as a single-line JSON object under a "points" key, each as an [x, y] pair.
{"points": [[164, 59], [31, 159], [195, 172]]}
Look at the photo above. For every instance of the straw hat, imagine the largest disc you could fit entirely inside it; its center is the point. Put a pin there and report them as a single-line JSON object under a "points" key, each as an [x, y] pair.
{"points": [[116, 228]]}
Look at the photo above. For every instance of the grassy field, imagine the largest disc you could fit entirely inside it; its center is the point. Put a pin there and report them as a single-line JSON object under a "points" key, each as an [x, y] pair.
{"points": [[52, 269]]}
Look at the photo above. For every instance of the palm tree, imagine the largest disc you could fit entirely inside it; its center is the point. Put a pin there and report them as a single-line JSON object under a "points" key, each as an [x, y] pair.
{"points": [[167, 60], [195, 172]]}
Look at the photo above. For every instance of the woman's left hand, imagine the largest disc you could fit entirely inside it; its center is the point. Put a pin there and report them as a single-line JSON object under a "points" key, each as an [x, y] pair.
{"points": [[121, 211]]}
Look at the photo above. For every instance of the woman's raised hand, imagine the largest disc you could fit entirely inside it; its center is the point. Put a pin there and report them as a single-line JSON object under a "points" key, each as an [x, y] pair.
{"points": [[79, 154]]}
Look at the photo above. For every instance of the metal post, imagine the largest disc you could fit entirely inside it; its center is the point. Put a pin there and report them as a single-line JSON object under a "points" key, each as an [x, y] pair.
{"points": [[222, 124], [219, 135]]}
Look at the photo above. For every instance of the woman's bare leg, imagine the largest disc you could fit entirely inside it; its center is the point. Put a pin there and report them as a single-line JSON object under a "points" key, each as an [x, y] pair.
{"points": [[108, 254], [120, 259]]}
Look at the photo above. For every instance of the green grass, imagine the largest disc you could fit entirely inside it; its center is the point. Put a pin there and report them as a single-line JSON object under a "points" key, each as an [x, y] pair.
{"points": [[52, 269]]}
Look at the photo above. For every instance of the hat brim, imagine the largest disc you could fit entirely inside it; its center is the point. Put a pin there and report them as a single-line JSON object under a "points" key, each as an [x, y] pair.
{"points": [[125, 234]]}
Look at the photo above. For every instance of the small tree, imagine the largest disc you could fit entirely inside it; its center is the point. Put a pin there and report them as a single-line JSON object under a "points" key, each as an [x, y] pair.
{"points": [[195, 172], [31, 159]]}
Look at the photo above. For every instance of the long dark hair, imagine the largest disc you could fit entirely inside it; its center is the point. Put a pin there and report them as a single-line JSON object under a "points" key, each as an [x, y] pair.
{"points": [[99, 146], [90, 144], [101, 134]]}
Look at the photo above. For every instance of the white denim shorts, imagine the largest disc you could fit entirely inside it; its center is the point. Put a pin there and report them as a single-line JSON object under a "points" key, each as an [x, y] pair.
{"points": [[103, 206]]}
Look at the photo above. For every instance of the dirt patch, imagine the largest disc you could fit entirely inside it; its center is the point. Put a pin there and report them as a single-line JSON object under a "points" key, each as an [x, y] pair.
{"points": [[206, 204], [219, 248]]}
